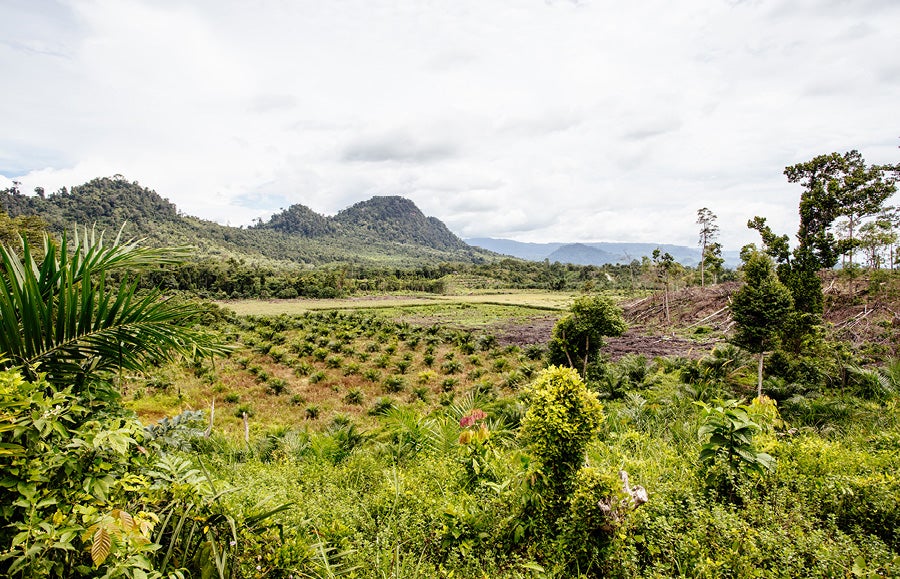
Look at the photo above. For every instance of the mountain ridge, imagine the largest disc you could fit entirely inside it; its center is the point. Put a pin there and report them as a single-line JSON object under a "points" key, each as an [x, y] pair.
{"points": [[593, 253], [395, 232]]}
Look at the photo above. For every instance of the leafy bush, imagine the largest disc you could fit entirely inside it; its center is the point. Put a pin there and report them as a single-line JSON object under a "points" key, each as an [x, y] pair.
{"points": [[451, 367], [302, 369], [728, 451], [276, 386], [381, 406], [354, 396], [562, 417], [394, 383]]}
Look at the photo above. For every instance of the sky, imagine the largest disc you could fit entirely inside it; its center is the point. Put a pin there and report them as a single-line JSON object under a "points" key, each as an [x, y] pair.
{"points": [[533, 120]]}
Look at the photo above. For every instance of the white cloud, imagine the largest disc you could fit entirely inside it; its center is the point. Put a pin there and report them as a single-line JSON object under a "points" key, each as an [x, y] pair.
{"points": [[541, 121]]}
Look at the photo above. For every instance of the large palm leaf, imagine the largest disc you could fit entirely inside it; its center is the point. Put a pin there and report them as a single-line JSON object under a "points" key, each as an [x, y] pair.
{"points": [[63, 315]]}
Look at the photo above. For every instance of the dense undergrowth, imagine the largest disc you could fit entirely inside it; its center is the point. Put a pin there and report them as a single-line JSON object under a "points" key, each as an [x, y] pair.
{"points": [[452, 474]]}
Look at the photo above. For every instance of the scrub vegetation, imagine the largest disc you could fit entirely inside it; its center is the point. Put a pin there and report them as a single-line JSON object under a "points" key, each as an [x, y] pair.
{"points": [[148, 434]]}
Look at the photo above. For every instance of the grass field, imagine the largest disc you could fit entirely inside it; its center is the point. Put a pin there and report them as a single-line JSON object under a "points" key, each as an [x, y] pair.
{"points": [[526, 299]]}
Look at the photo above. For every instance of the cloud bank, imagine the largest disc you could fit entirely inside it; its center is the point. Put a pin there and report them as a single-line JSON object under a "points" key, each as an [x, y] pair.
{"points": [[537, 121]]}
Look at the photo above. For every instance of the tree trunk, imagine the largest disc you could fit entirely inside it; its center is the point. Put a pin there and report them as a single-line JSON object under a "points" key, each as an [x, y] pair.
{"points": [[212, 416], [587, 343], [566, 350], [666, 301], [702, 259], [759, 376]]}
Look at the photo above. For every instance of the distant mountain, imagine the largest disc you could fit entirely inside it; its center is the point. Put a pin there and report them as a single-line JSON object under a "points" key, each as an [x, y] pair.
{"points": [[582, 254], [385, 230], [398, 219], [300, 220], [598, 253]]}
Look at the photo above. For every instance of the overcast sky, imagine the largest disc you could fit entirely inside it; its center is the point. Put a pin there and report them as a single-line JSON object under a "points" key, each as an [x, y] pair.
{"points": [[532, 120]]}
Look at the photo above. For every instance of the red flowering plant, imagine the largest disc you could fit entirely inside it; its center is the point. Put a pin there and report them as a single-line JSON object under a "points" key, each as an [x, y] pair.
{"points": [[475, 446]]}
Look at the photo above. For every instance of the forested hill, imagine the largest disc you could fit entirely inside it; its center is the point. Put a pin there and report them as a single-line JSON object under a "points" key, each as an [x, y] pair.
{"points": [[384, 230], [380, 218]]}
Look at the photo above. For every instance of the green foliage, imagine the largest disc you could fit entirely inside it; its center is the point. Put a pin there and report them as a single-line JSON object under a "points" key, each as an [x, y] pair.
{"points": [[761, 306], [578, 336], [727, 431], [762, 309], [562, 418], [394, 383], [84, 494], [836, 185], [58, 315]]}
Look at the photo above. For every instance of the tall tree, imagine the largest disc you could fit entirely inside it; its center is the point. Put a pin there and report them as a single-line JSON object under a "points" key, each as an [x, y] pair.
{"points": [[761, 309], [709, 231], [664, 265], [877, 236], [714, 261], [835, 186]]}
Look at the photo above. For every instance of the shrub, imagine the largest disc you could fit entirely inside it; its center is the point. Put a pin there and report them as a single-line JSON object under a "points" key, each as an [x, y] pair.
{"points": [[560, 421], [277, 354], [728, 451], [487, 342], [394, 383], [244, 408], [302, 369], [512, 379], [381, 406], [276, 386], [355, 396], [232, 398], [451, 367]]}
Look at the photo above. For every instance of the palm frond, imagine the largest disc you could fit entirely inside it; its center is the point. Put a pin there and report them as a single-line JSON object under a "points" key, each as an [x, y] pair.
{"points": [[58, 316]]}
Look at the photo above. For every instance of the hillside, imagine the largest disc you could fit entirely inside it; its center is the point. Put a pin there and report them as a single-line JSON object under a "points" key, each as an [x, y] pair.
{"points": [[864, 313], [388, 231]]}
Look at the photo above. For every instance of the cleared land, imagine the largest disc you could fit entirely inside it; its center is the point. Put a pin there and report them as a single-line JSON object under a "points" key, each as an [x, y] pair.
{"points": [[538, 300]]}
